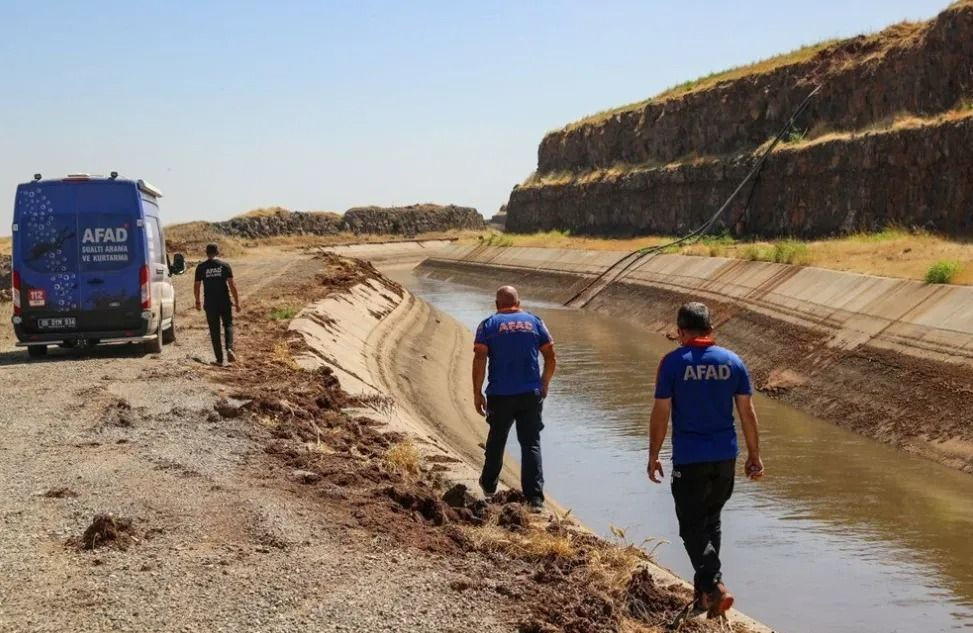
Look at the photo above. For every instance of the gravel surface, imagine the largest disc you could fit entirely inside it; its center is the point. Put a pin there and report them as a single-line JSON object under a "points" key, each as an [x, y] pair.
{"points": [[223, 539]]}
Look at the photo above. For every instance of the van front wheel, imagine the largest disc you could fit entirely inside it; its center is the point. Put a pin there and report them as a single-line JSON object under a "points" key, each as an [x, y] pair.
{"points": [[37, 351]]}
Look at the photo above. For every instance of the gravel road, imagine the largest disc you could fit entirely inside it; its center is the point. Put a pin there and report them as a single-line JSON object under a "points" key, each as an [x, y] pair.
{"points": [[223, 540]]}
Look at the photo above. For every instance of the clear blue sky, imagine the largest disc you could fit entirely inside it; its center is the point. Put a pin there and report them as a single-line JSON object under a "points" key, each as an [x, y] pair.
{"points": [[228, 106]]}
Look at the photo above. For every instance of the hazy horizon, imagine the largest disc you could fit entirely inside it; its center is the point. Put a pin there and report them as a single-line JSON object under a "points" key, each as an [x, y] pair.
{"points": [[228, 107]]}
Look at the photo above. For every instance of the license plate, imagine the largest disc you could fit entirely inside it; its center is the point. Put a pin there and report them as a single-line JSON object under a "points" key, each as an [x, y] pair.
{"points": [[59, 323]]}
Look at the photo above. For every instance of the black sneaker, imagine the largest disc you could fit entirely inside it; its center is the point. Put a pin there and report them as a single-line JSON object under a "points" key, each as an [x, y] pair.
{"points": [[231, 355], [487, 492], [536, 505]]}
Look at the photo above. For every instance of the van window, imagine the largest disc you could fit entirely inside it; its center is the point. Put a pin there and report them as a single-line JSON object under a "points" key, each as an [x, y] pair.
{"points": [[156, 250]]}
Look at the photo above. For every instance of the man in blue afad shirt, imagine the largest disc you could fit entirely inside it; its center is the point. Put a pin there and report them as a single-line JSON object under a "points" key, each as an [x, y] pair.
{"points": [[698, 385], [512, 340]]}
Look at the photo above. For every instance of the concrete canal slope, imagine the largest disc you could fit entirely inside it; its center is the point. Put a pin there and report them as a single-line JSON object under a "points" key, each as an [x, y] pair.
{"points": [[889, 358]]}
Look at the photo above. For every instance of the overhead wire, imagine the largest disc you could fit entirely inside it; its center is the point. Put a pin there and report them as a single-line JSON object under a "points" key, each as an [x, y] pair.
{"points": [[637, 255]]}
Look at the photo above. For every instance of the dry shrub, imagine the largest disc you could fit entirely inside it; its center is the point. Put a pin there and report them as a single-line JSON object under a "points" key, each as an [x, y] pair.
{"points": [[283, 356], [532, 544], [404, 458]]}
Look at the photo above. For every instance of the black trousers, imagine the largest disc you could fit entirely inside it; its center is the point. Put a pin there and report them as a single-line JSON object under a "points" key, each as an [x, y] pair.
{"points": [[214, 315], [502, 412], [700, 491]]}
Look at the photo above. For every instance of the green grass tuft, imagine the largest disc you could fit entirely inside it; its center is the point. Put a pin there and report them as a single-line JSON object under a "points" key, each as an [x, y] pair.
{"points": [[791, 252], [942, 272], [283, 313], [497, 239]]}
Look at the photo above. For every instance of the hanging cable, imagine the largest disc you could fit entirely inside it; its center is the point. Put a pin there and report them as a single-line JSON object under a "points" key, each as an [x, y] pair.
{"points": [[700, 231]]}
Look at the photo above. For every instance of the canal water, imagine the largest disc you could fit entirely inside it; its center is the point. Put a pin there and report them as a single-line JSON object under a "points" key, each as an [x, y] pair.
{"points": [[843, 535]]}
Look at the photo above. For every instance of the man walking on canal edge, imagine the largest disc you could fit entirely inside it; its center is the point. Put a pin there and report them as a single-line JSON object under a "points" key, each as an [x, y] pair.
{"points": [[511, 342], [216, 278], [698, 384]]}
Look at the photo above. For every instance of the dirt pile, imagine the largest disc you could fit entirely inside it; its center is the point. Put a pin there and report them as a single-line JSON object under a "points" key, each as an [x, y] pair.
{"points": [[412, 220], [550, 575], [108, 530], [658, 165]]}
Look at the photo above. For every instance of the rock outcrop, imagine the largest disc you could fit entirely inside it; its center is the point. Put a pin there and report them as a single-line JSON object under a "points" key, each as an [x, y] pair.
{"points": [[661, 165], [407, 221], [499, 220], [412, 220], [281, 222]]}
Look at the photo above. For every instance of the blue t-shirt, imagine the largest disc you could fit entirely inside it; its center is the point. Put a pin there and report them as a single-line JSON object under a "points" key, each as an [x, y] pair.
{"points": [[513, 340], [702, 378]]}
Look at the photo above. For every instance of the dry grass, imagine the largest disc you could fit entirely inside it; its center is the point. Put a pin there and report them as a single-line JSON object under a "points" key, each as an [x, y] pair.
{"points": [[264, 212], [889, 253], [404, 458], [876, 44], [6, 244], [533, 544], [282, 356], [900, 121], [563, 239]]}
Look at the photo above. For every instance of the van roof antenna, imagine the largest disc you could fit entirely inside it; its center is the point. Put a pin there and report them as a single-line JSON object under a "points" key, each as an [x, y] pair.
{"points": [[37, 177], [114, 175]]}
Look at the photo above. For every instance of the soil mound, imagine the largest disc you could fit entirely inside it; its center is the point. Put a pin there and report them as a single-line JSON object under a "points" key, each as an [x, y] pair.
{"points": [[107, 529]]}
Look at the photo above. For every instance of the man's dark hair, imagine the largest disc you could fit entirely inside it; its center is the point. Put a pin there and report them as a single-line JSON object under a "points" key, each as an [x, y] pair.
{"points": [[212, 250], [694, 317]]}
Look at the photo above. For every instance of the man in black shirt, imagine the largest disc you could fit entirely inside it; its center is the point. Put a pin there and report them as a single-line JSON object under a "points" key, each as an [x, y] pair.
{"points": [[216, 278]]}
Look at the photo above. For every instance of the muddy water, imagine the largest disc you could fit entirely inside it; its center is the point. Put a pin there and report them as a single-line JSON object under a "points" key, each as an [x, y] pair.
{"points": [[845, 534]]}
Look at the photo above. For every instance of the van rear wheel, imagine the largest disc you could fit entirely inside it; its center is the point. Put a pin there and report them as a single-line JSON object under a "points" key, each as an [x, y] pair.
{"points": [[155, 345], [37, 351], [169, 334]]}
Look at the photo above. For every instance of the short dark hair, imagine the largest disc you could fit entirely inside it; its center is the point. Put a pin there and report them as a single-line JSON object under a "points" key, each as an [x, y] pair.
{"points": [[212, 249], [694, 317]]}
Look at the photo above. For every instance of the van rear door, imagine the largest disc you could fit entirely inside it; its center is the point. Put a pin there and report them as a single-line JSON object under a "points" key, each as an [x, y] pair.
{"points": [[111, 243], [46, 256]]}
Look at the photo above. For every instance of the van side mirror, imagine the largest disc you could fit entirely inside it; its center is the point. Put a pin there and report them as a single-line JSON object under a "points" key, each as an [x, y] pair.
{"points": [[178, 265]]}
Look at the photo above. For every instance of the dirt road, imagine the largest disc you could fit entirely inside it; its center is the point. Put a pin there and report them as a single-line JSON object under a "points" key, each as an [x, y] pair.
{"points": [[223, 539]]}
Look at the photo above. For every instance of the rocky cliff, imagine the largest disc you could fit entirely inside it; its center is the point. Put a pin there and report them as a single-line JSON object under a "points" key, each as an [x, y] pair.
{"points": [[411, 220], [889, 131]]}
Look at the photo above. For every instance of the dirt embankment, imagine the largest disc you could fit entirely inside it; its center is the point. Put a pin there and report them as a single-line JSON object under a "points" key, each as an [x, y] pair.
{"points": [[888, 132], [890, 359]]}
